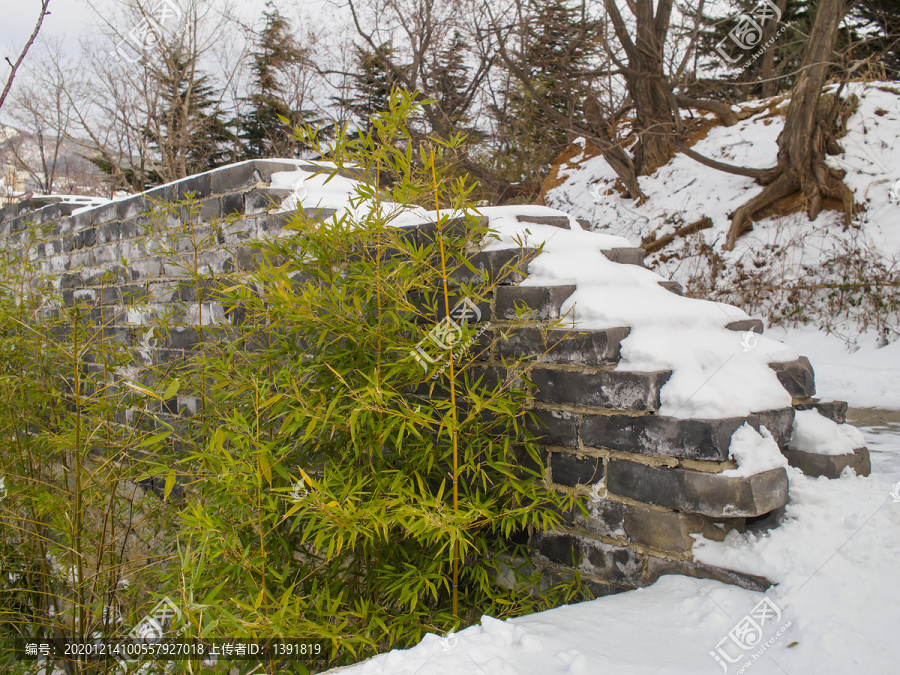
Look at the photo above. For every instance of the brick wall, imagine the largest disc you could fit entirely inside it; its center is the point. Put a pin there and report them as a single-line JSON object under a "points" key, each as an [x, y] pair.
{"points": [[648, 481]]}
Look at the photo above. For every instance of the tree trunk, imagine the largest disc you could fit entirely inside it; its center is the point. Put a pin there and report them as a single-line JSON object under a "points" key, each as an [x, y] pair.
{"points": [[768, 58], [657, 123], [812, 126]]}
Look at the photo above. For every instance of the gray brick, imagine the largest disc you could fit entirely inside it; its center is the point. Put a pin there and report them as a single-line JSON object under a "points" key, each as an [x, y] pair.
{"points": [[780, 423], [561, 222], [559, 548], [246, 175], [199, 185], [657, 567], [699, 492], [616, 563], [659, 435], [672, 286], [610, 389], [626, 256], [261, 200], [744, 325], [830, 466], [577, 347], [132, 207], [605, 517], [570, 470], [554, 427], [796, 377], [542, 302], [504, 266], [105, 213], [836, 411]]}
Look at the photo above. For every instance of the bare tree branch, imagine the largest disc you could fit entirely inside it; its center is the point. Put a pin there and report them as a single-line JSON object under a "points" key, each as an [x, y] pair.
{"points": [[15, 66]]}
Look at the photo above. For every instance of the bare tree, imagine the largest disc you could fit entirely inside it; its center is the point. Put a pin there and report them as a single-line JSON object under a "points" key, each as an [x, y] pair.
{"points": [[138, 110], [18, 62], [40, 109], [812, 126]]}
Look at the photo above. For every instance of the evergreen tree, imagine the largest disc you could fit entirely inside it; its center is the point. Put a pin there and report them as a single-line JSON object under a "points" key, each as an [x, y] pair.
{"points": [[373, 83], [447, 83], [262, 131], [191, 135], [558, 46]]}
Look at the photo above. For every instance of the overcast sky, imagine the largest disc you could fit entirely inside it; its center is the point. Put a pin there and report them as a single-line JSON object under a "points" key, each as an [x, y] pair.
{"points": [[74, 19]]}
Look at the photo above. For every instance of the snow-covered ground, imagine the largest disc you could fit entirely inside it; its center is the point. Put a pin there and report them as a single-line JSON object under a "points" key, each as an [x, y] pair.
{"points": [[864, 374], [835, 607], [782, 251]]}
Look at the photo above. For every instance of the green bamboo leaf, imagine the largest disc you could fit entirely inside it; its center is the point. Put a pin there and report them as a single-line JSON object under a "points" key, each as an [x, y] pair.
{"points": [[170, 483], [264, 466], [172, 389]]}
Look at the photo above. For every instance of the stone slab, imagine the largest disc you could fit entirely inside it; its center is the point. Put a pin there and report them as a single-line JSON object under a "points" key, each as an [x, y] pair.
{"points": [[711, 494], [576, 347], [830, 466], [609, 389], [660, 435]]}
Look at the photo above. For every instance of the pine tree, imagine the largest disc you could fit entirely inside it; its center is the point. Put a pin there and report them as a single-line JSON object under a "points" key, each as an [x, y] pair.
{"points": [[447, 83], [262, 131], [192, 135], [558, 47], [373, 83]]}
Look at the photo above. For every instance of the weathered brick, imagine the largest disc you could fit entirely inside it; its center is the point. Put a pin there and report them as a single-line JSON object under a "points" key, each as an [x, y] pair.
{"points": [[542, 302], [105, 213], [671, 530], [232, 204], [260, 200], [561, 222], [570, 470], [615, 389], [605, 517], [830, 466], [132, 207], [200, 186], [579, 347], [672, 286], [836, 411], [431, 307], [626, 256], [711, 494], [616, 563], [796, 377], [503, 266], [780, 423], [659, 435], [554, 427], [557, 547], [657, 567], [745, 325]]}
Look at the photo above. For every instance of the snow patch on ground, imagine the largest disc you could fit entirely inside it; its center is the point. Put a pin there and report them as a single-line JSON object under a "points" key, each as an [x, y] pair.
{"points": [[834, 559], [864, 374]]}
